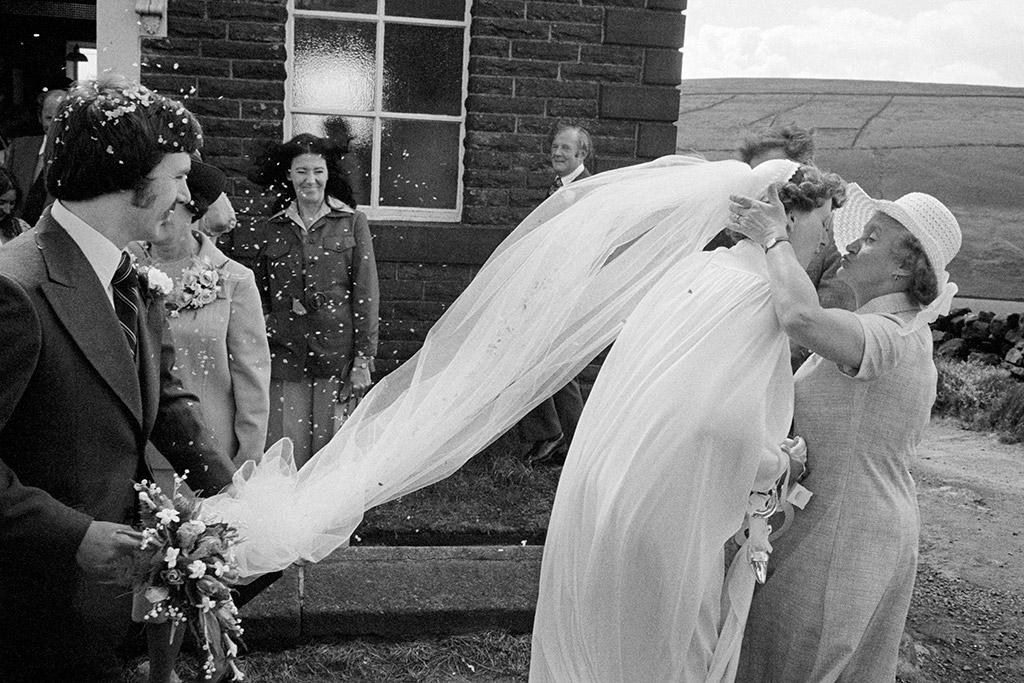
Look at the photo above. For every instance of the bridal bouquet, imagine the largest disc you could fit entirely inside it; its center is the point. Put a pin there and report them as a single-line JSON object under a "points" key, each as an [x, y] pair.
{"points": [[182, 573]]}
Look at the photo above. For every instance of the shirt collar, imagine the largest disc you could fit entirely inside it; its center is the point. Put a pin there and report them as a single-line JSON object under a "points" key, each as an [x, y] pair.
{"points": [[102, 254], [329, 206], [566, 179], [897, 302]]}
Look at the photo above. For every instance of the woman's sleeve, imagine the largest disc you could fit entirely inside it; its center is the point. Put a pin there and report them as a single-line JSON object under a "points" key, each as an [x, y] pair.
{"points": [[883, 345], [249, 365], [365, 290]]}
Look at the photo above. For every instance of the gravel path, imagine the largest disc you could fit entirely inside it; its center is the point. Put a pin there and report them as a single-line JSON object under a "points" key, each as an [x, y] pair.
{"points": [[966, 621]]}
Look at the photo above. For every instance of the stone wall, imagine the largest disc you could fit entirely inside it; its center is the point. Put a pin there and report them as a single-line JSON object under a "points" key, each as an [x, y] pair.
{"points": [[613, 65]]}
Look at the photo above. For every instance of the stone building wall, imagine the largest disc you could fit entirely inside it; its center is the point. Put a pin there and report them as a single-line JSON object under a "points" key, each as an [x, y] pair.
{"points": [[614, 66]]}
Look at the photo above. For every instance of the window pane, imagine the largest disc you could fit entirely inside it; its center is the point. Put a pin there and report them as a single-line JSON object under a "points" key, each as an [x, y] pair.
{"points": [[334, 64], [419, 163], [454, 10], [359, 133], [354, 6], [423, 69]]}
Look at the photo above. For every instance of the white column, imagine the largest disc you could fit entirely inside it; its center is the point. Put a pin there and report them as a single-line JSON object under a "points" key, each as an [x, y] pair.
{"points": [[117, 38]]}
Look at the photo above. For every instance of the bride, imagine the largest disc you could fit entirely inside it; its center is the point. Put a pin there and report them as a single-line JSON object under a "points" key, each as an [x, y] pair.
{"points": [[686, 418]]}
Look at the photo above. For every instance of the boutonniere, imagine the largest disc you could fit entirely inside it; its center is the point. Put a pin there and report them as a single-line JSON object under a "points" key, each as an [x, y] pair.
{"points": [[200, 284], [153, 282]]}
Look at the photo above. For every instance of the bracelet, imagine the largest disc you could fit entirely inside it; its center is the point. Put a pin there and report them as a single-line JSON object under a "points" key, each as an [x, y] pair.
{"points": [[773, 242]]}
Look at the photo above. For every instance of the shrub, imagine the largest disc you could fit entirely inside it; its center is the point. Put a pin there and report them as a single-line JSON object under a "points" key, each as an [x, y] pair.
{"points": [[982, 397]]}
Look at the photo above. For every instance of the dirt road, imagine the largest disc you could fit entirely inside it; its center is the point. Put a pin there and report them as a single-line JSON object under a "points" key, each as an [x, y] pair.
{"points": [[967, 619]]}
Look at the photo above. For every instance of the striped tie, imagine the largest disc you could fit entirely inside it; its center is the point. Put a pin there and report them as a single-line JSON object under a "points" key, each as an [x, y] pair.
{"points": [[126, 300]]}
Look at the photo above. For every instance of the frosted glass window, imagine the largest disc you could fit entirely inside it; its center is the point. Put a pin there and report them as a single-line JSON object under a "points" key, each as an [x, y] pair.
{"points": [[390, 77], [413, 83], [419, 163], [335, 66], [358, 131], [453, 10]]}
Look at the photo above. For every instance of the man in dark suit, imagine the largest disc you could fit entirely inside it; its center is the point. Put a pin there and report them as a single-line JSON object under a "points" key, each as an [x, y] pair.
{"points": [[27, 156], [550, 426], [86, 363]]}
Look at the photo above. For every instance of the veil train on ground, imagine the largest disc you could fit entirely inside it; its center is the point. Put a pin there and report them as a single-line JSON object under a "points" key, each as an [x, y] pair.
{"points": [[553, 295]]}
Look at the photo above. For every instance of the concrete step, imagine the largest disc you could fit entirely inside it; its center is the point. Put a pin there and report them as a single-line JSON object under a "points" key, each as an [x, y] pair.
{"points": [[398, 592]]}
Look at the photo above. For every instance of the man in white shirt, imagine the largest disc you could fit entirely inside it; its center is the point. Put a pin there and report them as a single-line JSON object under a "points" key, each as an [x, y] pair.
{"points": [[88, 378], [549, 427]]}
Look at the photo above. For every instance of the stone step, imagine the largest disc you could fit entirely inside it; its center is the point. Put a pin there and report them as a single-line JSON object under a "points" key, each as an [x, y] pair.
{"points": [[398, 592]]}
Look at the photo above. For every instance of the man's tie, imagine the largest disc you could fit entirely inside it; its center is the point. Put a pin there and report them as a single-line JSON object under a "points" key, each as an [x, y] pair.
{"points": [[555, 185], [126, 300]]}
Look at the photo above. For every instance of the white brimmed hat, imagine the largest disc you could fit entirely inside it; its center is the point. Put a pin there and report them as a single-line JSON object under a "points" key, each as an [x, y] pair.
{"points": [[925, 217]]}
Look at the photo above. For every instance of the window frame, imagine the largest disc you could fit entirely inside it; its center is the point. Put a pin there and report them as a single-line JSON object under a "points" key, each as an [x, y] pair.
{"points": [[373, 211]]}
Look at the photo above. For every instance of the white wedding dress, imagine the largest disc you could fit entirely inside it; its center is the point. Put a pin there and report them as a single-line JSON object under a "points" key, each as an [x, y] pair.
{"points": [[684, 421]]}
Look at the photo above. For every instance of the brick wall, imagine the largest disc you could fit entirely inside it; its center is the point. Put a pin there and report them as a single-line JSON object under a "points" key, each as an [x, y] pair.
{"points": [[614, 66], [225, 59]]}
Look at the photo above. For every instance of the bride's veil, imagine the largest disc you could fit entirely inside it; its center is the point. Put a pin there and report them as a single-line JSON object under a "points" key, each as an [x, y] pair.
{"points": [[551, 297]]}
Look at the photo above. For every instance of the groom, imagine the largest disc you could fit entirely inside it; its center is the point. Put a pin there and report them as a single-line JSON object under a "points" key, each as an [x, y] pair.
{"points": [[86, 366]]}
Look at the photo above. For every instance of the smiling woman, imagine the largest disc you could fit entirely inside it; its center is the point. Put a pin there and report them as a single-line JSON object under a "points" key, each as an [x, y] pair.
{"points": [[318, 280]]}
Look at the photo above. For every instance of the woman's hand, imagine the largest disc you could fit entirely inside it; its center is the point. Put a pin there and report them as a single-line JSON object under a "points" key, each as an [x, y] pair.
{"points": [[359, 379], [761, 221]]}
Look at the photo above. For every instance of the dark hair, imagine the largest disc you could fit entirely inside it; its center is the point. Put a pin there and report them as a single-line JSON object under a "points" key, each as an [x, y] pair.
{"points": [[796, 143], [810, 187], [582, 136], [924, 287], [9, 226], [807, 189], [272, 169], [110, 133]]}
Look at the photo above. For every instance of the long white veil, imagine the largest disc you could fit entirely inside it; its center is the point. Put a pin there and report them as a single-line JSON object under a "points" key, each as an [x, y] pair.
{"points": [[552, 296]]}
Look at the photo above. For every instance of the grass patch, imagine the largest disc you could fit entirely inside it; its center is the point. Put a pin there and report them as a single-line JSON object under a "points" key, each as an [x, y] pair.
{"points": [[494, 499], [490, 656], [981, 397]]}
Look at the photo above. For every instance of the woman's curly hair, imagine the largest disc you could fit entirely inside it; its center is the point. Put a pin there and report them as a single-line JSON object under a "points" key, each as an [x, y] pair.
{"points": [[924, 287], [271, 170], [810, 187]]}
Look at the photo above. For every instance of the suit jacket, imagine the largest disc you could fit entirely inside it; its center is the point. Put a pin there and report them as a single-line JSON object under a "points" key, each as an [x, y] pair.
{"points": [[75, 416], [21, 159], [583, 174]]}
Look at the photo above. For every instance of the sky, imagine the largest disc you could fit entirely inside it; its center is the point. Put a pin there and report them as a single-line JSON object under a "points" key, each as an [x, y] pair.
{"points": [[975, 42]]}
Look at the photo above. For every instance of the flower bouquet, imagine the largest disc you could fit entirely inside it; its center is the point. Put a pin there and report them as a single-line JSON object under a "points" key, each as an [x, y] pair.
{"points": [[200, 284], [182, 573]]}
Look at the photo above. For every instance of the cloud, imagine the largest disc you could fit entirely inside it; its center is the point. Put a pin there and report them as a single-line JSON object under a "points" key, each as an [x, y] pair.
{"points": [[974, 42]]}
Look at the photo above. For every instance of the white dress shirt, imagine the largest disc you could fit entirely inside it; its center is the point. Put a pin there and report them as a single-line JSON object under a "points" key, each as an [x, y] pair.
{"points": [[102, 254], [566, 179]]}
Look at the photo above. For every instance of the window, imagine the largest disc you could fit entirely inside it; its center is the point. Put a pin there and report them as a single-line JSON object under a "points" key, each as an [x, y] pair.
{"points": [[389, 75]]}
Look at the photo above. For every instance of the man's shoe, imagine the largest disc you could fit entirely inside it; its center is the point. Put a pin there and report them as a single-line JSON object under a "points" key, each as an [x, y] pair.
{"points": [[547, 452]]}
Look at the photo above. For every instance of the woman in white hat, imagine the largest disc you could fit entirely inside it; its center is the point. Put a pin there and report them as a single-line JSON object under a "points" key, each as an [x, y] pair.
{"points": [[840, 579]]}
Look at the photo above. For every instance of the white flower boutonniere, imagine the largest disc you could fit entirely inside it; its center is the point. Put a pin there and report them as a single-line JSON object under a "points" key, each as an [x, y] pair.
{"points": [[154, 281]]}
